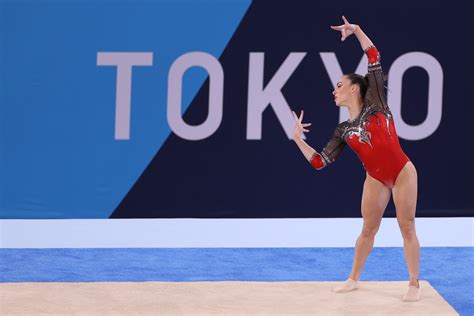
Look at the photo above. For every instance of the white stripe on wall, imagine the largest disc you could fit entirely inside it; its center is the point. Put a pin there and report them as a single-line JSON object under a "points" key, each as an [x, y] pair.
{"points": [[164, 233]]}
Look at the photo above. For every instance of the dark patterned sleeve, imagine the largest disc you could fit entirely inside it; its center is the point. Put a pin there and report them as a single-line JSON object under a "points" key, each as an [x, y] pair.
{"points": [[330, 152], [375, 92]]}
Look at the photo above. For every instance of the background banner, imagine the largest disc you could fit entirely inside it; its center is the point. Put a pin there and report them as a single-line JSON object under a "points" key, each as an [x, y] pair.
{"points": [[182, 109]]}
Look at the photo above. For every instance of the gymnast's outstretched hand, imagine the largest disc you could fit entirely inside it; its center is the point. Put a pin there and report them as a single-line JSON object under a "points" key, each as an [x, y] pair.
{"points": [[346, 29], [300, 126]]}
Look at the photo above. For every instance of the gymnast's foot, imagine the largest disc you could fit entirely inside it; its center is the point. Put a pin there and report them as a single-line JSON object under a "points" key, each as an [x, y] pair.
{"points": [[413, 293], [348, 285]]}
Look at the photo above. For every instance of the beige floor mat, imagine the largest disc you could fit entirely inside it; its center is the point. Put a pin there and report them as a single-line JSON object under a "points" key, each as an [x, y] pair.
{"points": [[229, 298]]}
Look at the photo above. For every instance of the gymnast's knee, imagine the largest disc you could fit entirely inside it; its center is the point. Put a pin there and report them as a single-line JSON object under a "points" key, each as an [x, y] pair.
{"points": [[407, 228], [369, 232]]}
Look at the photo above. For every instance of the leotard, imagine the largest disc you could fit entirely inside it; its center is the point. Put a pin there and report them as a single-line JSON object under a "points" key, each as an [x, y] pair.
{"points": [[371, 135]]}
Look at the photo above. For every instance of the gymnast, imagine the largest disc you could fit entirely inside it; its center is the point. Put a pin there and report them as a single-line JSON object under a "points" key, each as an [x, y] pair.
{"points": [[370, 133]]}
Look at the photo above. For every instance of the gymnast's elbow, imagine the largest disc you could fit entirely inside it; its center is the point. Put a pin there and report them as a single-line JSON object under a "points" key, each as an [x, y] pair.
{"points": [[317, 161]]}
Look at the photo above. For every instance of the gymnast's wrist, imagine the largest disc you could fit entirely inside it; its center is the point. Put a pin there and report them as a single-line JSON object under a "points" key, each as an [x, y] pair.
{"points": [[357, 28], [297, 138]]}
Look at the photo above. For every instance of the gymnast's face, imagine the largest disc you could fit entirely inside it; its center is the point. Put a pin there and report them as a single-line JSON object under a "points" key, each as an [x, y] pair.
{"points": [[343, 91]]}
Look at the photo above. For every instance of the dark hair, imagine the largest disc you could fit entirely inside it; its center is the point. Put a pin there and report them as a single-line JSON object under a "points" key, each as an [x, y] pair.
{"points": [[362, 81]]}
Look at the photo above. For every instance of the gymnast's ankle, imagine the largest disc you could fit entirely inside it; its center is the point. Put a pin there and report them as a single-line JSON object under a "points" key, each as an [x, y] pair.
{"points": [[414, 282]]}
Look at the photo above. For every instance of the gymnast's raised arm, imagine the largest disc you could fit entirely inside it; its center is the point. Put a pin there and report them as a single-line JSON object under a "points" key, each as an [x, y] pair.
{"points": [[375, 93]]}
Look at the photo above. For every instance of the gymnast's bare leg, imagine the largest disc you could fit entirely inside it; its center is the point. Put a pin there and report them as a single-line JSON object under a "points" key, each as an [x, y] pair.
{"points": [[375, 197], [404, 197]]}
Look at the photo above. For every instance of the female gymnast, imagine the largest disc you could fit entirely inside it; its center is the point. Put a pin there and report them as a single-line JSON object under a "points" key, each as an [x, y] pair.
{"points": [[370, 132]]}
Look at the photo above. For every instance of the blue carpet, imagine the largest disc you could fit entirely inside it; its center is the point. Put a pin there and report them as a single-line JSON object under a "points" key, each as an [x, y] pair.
{"points": [[449, 270]]}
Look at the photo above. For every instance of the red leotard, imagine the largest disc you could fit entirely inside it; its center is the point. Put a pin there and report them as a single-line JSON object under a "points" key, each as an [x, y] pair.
{"points": [[371, 135]]}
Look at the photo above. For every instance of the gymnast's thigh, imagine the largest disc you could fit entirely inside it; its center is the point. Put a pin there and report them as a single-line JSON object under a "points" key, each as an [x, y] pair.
{"points": [[375, 198]]}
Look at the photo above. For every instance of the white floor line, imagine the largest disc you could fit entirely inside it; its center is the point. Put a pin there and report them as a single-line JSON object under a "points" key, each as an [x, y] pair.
{"points": [[290, 232]]}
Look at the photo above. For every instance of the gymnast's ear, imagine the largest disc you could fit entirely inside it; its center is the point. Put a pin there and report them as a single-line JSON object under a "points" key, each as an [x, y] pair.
{"points": [[355, 88]]}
